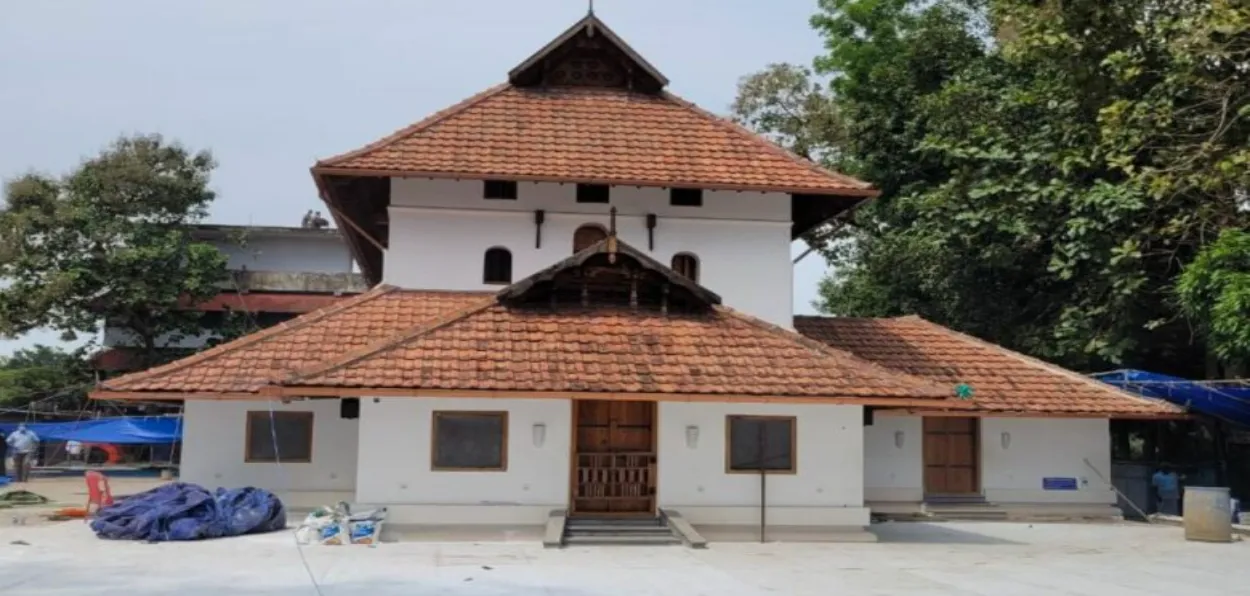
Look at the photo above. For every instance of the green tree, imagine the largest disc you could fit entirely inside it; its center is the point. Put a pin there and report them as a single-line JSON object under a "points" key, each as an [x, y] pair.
{"points": [[1047, 168], [50, 376], [110, 242], [1215, 291]]}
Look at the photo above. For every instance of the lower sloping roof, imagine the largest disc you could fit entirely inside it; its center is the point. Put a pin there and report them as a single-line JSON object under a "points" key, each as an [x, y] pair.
{"points": [[1002, 381]]}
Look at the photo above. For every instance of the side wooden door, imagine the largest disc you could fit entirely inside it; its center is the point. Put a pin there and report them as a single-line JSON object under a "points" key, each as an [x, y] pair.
{"points": [[951, 456], [613, 458]]}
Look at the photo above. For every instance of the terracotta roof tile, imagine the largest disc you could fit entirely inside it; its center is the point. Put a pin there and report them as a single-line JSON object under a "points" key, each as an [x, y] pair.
{"points": [[250, 362], [1002, 380], [614, 350], [599, 135]]}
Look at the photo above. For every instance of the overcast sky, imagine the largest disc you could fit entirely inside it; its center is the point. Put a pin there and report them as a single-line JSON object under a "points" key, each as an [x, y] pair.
{"points": [[270, 86]]}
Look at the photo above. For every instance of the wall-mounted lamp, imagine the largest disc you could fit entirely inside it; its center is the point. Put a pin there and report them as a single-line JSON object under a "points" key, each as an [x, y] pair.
{"points": [[1005, 439], [540, 434], [898, 438], [692, 436]]}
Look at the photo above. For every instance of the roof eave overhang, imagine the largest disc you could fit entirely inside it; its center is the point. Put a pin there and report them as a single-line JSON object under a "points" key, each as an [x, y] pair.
{"points": [[985, 413]]}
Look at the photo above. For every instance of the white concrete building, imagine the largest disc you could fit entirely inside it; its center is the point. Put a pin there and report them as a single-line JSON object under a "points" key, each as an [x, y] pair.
{"points": [[584, 306]]}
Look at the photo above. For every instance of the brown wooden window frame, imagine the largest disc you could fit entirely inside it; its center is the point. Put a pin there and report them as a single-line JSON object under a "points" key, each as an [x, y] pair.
{"points": [[595, 194], [262, 417], [694, 260], [487, 266], [503, 443], [794, 444], [499, 190], [685, 197]]}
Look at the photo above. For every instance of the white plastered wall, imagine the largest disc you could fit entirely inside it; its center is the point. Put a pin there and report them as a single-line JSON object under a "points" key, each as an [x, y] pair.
{"points": [[1012, 469], [441, 229], [395, 463], [214, 440], [827, 489]]}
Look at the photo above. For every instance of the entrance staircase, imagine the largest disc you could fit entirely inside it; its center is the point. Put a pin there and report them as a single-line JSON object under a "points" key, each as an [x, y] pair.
{"points": [[962, 508], [644, 531]]}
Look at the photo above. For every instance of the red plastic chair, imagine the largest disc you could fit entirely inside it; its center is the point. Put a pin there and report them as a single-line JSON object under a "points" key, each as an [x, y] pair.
{"points": [[98, 492]]}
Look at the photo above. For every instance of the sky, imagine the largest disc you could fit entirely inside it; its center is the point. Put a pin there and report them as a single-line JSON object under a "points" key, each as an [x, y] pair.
{"points": [[270, 86]]}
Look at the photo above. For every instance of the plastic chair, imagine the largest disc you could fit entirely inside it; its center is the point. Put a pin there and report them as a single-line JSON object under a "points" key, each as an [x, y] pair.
{"points": [[98, 492]]}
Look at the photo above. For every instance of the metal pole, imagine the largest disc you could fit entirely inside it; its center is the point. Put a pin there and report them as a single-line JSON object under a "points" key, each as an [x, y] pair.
{"points": [[763, 485], [1117, 491]]}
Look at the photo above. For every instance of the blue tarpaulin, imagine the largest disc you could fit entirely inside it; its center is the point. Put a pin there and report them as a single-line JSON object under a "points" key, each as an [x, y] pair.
{"points": [[131, 430], [180, 511], [1228, 402]]}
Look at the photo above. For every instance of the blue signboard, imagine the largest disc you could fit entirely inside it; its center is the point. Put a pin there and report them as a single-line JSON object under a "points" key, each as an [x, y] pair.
{"points": [[1059, 484]]}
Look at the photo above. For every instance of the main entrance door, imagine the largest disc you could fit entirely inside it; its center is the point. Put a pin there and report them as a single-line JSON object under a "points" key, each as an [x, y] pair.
{"points": [[613, 458], [951, 456]]}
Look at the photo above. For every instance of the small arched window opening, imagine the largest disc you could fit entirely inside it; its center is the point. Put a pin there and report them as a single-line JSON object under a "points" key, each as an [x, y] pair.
{"points": [[497, 268], [686, 265], [587, 235]]}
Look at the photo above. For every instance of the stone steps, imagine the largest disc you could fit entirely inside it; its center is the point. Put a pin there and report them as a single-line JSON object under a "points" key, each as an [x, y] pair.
{"points": [[618, 531]]}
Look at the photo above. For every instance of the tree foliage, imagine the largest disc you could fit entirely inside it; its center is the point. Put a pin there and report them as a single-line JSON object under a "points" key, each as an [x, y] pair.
{"points": [[110, 241], [49, 376], [1047, 168], [1215, 290]]}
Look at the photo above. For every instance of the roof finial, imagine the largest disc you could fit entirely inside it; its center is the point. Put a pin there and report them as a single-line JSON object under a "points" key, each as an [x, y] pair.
{"points": [[611, 240], [612, 221], [590, 10]]}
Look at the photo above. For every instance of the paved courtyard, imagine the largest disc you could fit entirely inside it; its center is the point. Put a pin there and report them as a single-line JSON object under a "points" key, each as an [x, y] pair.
{"points": [[950, 558]]}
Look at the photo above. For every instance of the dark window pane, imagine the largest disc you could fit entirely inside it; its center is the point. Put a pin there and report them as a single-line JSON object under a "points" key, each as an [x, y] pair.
{"points": [[497, 268], [685, 197], [293, 431], [756, 443], [470, 440], [592, 193], [499, 189]]}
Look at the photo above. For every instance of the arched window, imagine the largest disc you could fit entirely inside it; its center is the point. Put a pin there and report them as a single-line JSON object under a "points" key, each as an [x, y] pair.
{"points": [[497, 268], [587, 235], [687, 265]]}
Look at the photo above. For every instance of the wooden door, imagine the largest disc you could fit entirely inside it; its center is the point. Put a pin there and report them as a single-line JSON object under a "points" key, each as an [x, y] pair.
{"points": [[951, 456], [613, 458]]}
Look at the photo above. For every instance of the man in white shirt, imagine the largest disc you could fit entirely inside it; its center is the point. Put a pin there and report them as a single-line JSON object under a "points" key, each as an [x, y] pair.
{"points": [[23, 441]]}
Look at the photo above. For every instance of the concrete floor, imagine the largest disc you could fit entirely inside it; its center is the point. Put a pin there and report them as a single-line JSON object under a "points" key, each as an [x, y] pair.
{"points": [[910, 559]]}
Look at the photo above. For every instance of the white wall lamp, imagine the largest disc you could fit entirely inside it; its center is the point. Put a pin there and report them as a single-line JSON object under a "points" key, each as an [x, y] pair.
{"points": [[1005, 439], [899, 436], [692, 436], [540, 434]]}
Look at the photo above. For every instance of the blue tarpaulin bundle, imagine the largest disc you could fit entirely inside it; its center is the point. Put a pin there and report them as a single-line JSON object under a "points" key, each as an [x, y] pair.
{"points": [[182, 511], [128, 430], [1229, 402]]}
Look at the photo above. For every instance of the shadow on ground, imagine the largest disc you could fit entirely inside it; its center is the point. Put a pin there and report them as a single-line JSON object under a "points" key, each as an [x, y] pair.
{"points": [[930, 533]]}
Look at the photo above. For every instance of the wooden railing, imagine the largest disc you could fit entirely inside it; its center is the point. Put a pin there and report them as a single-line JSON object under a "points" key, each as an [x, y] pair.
{"points": [[614, 476]]}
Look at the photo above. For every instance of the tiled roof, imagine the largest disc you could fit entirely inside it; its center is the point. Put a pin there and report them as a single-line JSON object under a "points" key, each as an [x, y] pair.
{"points": [[614, 350], [592, 135], [1001, 380], [253, 361]]}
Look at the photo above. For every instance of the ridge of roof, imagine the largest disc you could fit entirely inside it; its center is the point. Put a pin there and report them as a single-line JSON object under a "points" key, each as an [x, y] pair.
{"points": [[764, 142], [248, 340], [388, 343], [825, 348], [1107, 388], [416, 127]]}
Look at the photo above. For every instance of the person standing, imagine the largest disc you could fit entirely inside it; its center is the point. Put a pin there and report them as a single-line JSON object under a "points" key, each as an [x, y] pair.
{"points": [[1167, 490], [24, 442]]}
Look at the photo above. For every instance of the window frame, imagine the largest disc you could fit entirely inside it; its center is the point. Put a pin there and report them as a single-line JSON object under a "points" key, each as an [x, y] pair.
{"points": [[503, 443], [695, 197], [794, 444], [594, 226], [508, 188], [589, 188], [263, 415], [694, 258], [486, 266]]}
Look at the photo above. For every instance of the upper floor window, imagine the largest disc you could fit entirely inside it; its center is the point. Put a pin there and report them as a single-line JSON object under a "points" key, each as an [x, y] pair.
{"points": [[497, 268], [685, 197], [499, 189], [592, 193], [587, 235], [687, 265]]}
